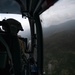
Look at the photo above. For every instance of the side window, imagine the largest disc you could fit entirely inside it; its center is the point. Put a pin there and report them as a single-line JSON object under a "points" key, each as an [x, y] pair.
{"points": [[58, 24]]}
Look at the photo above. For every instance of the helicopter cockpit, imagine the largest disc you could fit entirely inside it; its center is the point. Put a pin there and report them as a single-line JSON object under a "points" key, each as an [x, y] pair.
{"points": [[13, 48]]}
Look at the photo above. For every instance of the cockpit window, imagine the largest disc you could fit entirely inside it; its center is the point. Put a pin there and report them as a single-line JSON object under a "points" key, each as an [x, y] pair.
{"points": [[24, 22], [58, 24]]}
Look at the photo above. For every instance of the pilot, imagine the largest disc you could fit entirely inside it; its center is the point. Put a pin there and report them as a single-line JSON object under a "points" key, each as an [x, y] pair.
{"points": [[12, 26]]}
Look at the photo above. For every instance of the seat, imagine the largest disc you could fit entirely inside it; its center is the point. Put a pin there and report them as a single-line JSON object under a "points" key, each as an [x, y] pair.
{"points": [[3, 56]]}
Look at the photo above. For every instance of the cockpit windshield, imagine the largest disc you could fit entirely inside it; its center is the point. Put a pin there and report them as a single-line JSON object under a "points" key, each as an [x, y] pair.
{"points": [[24, 22]]}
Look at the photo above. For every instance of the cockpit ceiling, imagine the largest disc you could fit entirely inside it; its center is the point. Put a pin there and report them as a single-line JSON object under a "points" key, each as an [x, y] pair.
{"points": [[23, 6], [9, 6]]}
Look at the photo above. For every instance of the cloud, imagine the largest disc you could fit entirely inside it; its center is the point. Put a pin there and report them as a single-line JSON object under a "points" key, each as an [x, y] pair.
{"points": [[62, 11]]}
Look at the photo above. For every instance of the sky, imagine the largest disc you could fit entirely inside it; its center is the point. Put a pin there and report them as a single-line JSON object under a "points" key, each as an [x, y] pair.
{"points": [[60, 12]]}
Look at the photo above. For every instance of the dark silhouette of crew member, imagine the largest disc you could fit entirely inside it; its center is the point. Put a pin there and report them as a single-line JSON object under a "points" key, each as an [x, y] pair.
{"points": [[12, 26]]}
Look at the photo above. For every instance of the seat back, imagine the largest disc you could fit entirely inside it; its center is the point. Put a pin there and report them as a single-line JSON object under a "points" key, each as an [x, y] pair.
{"points": [[4, 51], [3, 56]]}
